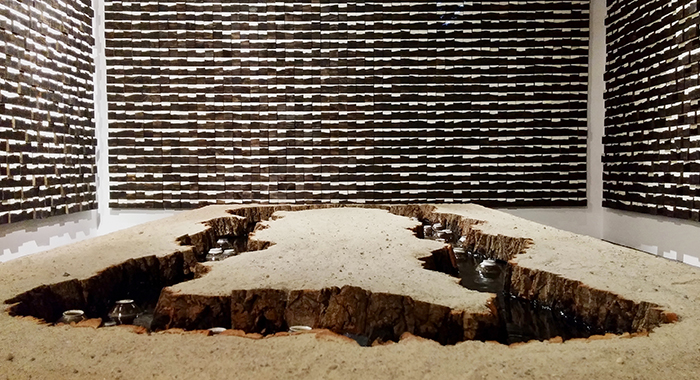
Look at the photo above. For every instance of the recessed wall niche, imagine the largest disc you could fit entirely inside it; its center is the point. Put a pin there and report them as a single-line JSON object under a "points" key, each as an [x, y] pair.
{"points": [[47, 132], [652, 140], [329, 101]]}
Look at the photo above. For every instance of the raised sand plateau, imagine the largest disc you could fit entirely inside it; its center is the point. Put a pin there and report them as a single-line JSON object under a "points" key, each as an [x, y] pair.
{"points": [[369, 255]]}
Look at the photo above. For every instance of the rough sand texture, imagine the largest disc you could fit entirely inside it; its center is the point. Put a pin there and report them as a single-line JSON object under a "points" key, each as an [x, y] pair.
{"points": [[314, 249], [28, 349]]}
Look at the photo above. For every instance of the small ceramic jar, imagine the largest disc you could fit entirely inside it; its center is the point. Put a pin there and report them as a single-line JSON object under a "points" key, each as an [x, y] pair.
{"points": [[228, 253], [445, 234], [223, 243], [296, 329], [489, 268], [124, 312], [72, 316], [217, 330], [215, 254]]}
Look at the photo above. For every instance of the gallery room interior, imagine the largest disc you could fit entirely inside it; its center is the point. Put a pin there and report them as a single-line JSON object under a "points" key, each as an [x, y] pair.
{"points": [[415, 178]]}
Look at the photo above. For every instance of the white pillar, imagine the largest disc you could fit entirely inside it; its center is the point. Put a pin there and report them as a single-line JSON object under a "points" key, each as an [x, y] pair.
{"points": [[596, 117], [101, 126]]}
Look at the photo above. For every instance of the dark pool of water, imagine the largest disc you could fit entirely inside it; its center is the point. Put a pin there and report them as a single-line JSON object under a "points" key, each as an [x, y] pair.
{"points": [[520, 320]]}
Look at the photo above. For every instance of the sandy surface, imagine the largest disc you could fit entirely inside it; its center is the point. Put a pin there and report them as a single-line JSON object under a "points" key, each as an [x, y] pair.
{"points": [[30, 350], [316, 249]]}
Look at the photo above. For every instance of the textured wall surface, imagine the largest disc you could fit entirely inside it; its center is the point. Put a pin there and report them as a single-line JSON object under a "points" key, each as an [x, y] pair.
{"points": [[47, 144], [652, 140], [347, 101]]}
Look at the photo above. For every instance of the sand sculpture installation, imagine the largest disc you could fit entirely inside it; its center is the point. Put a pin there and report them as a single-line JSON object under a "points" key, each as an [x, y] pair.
{"points": [[342, 270]]}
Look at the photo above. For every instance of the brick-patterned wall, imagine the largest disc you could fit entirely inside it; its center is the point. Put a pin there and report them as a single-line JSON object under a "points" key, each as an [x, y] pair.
{"points": [[652, 139], [320, 101], [47, 133]]}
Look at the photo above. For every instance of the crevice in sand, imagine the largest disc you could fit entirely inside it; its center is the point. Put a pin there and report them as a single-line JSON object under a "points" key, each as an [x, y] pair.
{"points": [[140, 279], [600, 311], [345, 310]]}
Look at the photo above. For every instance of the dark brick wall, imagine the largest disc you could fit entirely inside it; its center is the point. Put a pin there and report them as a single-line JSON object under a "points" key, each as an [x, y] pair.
{"points": [[652, 140], [47, 132], [324, 101]]}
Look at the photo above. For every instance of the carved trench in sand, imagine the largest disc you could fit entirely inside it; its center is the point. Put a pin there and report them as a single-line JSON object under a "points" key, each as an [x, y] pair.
{"points": [[346, 310]]}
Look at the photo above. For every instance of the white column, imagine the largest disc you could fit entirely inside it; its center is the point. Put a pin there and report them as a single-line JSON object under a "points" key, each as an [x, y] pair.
{"points": [[596, 117], [101, 130]]}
